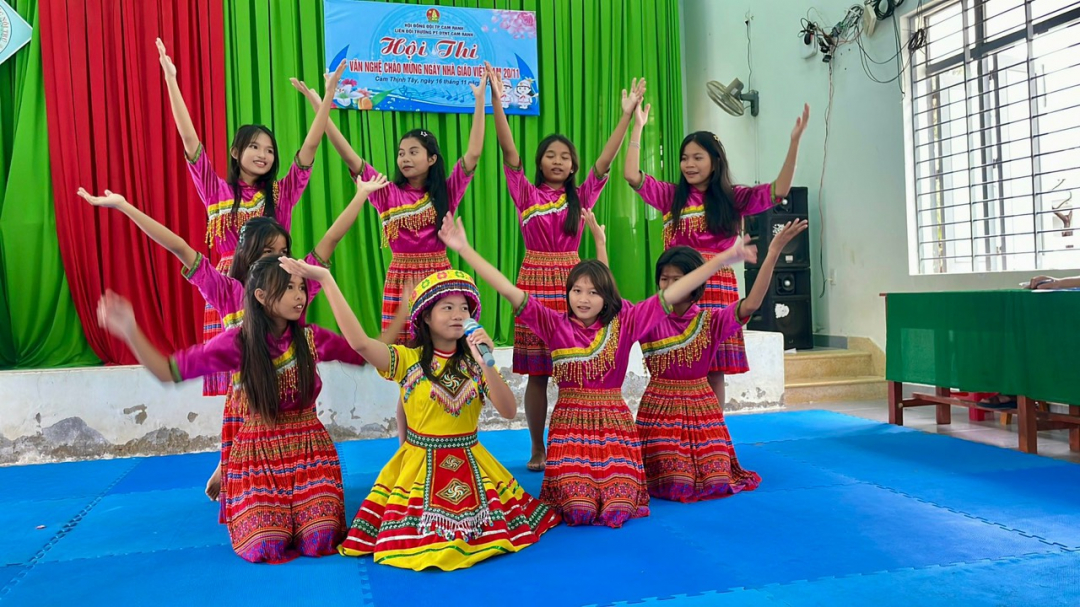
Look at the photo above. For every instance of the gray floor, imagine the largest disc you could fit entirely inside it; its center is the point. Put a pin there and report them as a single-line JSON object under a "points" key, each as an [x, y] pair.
{"points": [[1052, 443]]}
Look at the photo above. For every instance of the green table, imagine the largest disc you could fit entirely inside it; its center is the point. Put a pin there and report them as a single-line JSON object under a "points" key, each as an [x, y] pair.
{"points": [[1016, 342]]}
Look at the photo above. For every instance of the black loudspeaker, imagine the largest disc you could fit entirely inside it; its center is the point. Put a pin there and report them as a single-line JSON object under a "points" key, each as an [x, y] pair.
{"points": [[787, 306], [763, 226]]}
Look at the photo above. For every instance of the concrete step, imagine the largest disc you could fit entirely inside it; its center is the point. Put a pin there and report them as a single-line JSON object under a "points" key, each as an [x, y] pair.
{"points": [[824, 364], [833, 389]]}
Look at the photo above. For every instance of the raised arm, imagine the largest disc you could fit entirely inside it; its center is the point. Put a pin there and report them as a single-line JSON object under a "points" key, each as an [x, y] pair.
{"points": [[599, 236], [782, 185], [179, 109], [347, 218], [453, 235], [632, 167], [753, 300], [1049, 283], [116, 316], [373, 350], [341, 145], [682, 288], [157, 232], [476, 135], [502, 127], [306, 155], [614, 142]]}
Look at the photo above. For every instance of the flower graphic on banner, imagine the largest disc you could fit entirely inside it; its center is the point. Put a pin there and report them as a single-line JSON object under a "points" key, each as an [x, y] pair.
{"points": [[518, 24]]}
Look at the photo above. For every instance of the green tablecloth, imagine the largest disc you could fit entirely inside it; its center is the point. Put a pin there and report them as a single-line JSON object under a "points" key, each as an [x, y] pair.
{"points": [[1013, 342]]}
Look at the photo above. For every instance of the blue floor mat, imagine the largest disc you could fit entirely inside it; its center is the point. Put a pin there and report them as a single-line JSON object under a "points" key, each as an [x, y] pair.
{"points": [[20, 521], [801, 535], [1046, 580], [798, 425], [849, 512], [885, 459], [143, 522], [193, 576], [169, 472], [62, 481]]}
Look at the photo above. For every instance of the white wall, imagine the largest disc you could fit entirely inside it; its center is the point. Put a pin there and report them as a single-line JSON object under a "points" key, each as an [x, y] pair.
{"points": [[95, 412], [864, 200]]}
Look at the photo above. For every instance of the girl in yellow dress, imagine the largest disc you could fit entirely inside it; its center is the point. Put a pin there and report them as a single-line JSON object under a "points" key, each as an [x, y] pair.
{"points": [[442, 501]]}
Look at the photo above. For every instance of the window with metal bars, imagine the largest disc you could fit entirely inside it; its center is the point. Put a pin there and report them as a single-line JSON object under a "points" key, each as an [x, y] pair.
{"points": [[995, 133]]}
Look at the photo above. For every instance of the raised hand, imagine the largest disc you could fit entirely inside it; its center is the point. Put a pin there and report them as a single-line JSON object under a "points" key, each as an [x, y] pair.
{"points": [[744, 251], [110, 200], [305, 270], [800, 123], [495, 80], [641, 113], [115, 314], [790, 230], [453, 233], [378, 182], [632, 100], [598, 231], [478, 89], [166, 62], [332, 80]]}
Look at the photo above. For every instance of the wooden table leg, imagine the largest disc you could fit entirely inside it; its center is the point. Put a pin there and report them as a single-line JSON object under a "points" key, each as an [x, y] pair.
{"points": [[896, 407], [1074, 433], [1028, 426], [944, 412]]}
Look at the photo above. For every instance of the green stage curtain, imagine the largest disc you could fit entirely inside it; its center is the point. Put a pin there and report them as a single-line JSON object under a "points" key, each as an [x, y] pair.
{"points": [[38, 324], [589, 50]]}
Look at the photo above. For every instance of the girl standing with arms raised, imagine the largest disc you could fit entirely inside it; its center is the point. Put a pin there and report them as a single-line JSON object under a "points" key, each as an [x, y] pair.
{"points": [[551, 218], [251, 187], [704, 211]]}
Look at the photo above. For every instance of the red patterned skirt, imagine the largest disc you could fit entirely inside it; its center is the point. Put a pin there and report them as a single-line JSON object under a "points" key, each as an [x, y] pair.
{"points": [[543, 276], [283, 492], [720, 292], [403, 266], [594, 473], [215, 384], [685, 443]]}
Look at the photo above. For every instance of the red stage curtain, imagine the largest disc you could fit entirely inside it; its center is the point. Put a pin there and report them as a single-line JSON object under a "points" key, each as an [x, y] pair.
{"points": [[110, 126]]}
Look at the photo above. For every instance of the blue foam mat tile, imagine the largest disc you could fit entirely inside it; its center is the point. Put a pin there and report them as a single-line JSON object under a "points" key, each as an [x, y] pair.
{"points": [[193, 576], [598, 565], [8, 573], [785, 536], [366, 455], [142, 522], [1046, 580], [734, 598], [1041, 501], [891, 458], [190, 471], [62, 481], [782, 473], [20, 521], [801, 425]]}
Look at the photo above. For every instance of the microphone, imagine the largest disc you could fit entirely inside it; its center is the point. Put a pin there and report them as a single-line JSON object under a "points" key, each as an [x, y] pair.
{"points": [[470, 327]]}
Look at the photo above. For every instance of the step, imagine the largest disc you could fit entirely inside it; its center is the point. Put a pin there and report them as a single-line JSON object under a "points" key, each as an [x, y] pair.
{"points": [[823, 364], [835, 389]]}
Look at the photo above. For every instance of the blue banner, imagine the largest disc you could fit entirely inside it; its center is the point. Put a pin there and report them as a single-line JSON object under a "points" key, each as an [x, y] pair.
{"points": [[14, 31], [415, 58]]}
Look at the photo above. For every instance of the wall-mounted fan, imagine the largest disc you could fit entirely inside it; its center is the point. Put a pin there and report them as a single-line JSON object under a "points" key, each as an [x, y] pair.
{"points": [[731, 98]]}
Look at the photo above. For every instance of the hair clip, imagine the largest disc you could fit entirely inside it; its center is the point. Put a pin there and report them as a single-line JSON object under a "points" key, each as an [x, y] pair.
{"points": [[424, 134], [716, 137]]}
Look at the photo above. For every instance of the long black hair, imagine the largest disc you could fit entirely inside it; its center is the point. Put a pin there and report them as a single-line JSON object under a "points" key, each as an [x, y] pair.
{"points": [[435, 183], [722, 217], [686, 260], [265, 182], [257, 374], [256, 235], [602, 280], [573, 204]]}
